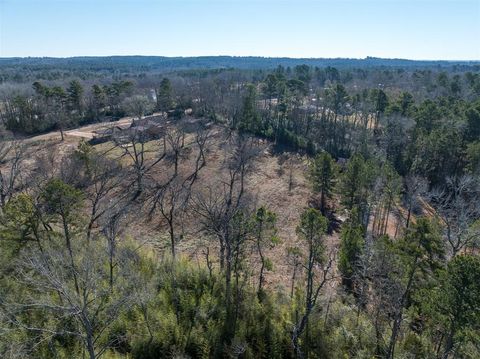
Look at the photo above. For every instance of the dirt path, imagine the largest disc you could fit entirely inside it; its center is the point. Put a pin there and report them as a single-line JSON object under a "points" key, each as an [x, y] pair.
{"points": [[83, 132], [76, 133]]}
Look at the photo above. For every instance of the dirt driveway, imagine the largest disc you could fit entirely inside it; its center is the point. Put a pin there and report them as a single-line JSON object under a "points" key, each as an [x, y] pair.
{"points": [[83, 132]]}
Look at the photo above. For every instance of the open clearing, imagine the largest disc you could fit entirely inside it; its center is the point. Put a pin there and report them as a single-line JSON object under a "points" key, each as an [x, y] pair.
{"points": [[278, 182]]}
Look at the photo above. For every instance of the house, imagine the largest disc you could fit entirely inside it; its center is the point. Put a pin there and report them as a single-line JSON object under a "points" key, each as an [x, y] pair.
{"points": [[107, 134], [144, 129], [149, 127]]}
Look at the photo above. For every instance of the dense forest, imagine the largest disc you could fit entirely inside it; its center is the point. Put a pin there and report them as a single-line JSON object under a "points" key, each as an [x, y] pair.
{"points": [[223, 207]]}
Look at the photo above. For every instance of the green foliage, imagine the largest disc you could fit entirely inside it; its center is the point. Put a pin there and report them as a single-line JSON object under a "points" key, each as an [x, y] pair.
{"points": [[472, 114], [198, 329], [312, 229], [453, 304], [26, 115], [356, 182], [473, 156], [439, 153], [337, 98], [420, 255], [322, 176], [423, 245], [75, 97], [86, 154], [380, 100], [265, 227], [61, 199], [265, 235], [406, 102], [165, 95], [63, 299], [20, 221], [250, 118], [351, 247], [55, 279], [348, 333]]}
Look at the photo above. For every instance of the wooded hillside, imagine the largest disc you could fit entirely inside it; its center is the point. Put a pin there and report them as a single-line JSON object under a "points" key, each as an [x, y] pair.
{"points": [[279, 208]]}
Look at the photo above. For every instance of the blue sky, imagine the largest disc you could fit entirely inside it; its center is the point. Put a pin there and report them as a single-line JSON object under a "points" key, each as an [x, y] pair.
{"points": [[415, 29]]}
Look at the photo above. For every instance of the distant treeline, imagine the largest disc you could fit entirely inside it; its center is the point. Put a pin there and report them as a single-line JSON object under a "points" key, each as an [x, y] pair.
{"points": [[165, 64]]}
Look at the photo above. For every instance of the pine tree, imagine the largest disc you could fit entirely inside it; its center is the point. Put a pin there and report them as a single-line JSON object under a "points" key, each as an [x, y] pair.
{"points": [[351, 247], [322, 174], [250, 117], [164, 95]]}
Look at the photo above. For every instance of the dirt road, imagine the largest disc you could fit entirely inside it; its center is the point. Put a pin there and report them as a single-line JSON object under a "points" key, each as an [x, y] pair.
{"points": [[83, 132]]}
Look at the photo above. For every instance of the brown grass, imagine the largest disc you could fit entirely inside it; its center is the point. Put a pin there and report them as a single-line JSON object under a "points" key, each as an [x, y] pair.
{"points": [[269, 183]]}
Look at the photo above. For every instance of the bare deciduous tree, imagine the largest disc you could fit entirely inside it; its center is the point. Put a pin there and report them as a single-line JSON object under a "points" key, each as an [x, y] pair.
{"points": [[172, 192], [85, 313], [414, 187], [12, 154], [458, 206], [136, 147], [224, 210], [318, 270]]}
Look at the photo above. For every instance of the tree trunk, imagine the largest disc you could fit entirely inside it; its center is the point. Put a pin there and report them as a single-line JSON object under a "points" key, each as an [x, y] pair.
{"points": [[70, 252], [398, 318], [322, 202], [449, 343], [90, 346], [112, 255], [171, 231], [293, 281], [262, 269]]}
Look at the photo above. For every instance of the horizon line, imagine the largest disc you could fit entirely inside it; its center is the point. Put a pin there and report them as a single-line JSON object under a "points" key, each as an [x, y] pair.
{"points": [[240, 56]]}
